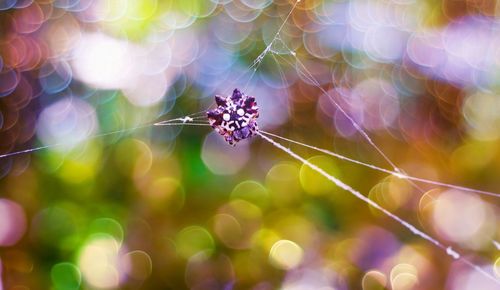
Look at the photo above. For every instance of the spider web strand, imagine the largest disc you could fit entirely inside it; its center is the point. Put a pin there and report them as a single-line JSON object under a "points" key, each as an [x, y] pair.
{"points": [[172, 122], [263, 54], [306, 73], [448, 250], [374, 167], [356, 126]]}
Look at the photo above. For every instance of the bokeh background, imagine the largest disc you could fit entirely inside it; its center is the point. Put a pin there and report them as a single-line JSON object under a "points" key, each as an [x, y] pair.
{"points": [[174, 207]]}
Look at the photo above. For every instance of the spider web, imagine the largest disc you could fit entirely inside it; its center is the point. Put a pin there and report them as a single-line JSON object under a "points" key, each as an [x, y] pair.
{"points": [[396, 170]]}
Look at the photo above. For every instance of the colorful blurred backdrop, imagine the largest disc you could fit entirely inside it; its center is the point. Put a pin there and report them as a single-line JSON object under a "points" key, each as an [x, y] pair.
{"points": [[106, 200]]}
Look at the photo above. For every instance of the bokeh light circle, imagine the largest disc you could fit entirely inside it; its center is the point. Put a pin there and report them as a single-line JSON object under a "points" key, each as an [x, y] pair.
{"points": [[66, 276], [220, 158], [193, 240], [286, 254], [67, 122], [12, 222], [102, 263]]}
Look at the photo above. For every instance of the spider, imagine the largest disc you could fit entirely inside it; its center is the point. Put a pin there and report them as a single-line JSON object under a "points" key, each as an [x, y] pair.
{"points": [[235, 117]]}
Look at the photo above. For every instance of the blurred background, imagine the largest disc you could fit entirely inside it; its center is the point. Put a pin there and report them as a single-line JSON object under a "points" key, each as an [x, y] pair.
{"points": [[175, 207]]}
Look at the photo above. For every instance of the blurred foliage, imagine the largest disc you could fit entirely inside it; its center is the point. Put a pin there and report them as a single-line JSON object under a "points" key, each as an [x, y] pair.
{"points": [[116, 203]]}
